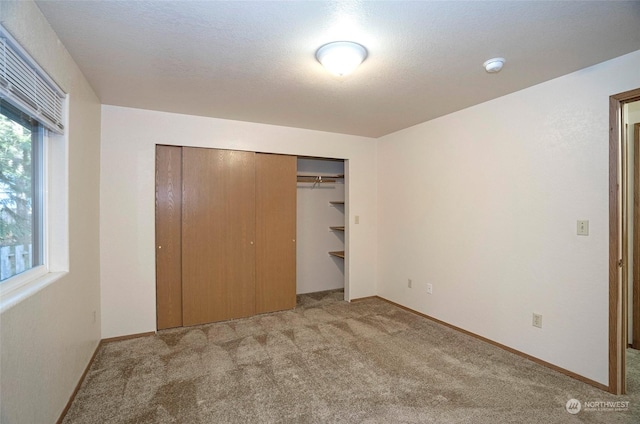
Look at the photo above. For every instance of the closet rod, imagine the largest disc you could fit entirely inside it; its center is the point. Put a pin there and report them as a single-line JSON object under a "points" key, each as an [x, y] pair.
{"points": [[315, 180], [319, 178]]}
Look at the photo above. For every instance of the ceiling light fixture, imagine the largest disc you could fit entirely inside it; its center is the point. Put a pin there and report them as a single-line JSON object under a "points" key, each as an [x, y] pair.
{"points": [[494, 65], [341, 57]]}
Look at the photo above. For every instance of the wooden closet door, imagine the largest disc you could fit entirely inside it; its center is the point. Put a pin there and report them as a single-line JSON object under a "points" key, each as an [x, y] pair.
{"points": [[275, 232], [218, 235], [168, 236]]}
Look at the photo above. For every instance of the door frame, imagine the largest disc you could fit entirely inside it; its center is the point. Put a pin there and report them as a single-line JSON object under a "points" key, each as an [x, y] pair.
{"points": [[635, 339], [618, 295]]}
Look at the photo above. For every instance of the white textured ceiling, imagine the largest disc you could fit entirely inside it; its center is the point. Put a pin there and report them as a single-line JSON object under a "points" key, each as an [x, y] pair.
{"points": [[254, 61]]}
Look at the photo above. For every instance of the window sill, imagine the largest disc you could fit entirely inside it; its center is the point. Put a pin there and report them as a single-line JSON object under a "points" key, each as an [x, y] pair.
{"points": [[12, 295]]}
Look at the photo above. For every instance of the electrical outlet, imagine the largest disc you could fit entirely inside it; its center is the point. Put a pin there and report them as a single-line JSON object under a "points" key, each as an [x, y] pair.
{"points": [[537, 320], [429, 288], [409, 283]]}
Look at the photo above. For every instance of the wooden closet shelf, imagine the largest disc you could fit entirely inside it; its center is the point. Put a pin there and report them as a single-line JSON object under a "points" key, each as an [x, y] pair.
{"points": [[338, 254], [338, 228]]}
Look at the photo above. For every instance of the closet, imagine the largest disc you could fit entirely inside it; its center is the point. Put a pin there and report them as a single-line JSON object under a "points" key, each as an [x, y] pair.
{"points": [[321, 224], [225, 234]]}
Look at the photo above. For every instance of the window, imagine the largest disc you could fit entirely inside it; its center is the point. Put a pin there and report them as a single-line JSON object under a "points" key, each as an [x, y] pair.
{"points": [[21, 200], [33, 176]]}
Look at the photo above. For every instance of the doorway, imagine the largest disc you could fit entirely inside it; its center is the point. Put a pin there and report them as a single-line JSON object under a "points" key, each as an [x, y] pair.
{"points": [[632, 114], [631, 142], [322, 227], [619, 264]]}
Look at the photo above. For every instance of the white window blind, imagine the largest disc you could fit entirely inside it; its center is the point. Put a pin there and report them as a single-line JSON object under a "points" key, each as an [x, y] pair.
{"points": [[25, 85]]}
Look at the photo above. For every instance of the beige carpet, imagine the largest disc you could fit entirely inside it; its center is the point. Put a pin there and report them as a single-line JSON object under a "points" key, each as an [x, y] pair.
{"points": [[329, 361]]}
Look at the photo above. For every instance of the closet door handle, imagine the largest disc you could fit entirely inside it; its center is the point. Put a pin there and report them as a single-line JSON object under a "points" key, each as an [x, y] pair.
{"points": [[294, 240], [251, 243]]}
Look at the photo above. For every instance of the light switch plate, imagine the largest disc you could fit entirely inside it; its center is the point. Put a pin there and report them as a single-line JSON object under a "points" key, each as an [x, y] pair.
{"points": [[583, 227]]}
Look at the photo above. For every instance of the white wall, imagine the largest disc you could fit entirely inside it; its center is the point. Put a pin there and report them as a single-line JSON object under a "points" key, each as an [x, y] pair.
{"points": [[127, 199], [483, 204], [316, 270], [48, 338]]}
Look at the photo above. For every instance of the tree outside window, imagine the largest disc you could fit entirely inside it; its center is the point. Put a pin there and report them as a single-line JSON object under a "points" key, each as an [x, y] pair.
{"points": [[16, 196]]}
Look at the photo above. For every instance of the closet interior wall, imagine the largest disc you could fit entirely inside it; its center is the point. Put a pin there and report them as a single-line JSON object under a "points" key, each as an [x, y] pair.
{"points": [[316, 269]]}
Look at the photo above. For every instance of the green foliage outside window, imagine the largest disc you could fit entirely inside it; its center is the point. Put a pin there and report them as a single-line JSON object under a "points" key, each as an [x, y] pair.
{"points": [[15, 183]]}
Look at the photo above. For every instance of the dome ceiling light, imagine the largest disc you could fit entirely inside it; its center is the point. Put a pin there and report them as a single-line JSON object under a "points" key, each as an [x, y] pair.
{"points": [[341, 57], [494, 65]]}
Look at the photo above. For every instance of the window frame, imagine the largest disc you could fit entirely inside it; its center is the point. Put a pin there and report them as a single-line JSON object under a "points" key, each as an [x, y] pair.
{"points": [[54, 193], [40, 182], [55, 204]]}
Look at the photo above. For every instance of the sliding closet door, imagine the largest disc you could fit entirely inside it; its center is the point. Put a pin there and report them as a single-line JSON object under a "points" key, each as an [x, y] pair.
{"points": [[218, 235], [275, 232], [168, 236]]}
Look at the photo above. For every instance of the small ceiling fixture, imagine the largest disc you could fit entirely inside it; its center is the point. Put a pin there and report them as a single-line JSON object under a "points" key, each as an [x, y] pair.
{"points": [[494, 65], [341, 57]]}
